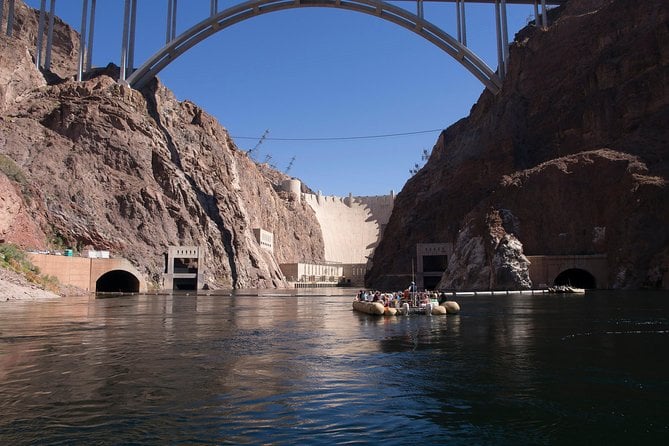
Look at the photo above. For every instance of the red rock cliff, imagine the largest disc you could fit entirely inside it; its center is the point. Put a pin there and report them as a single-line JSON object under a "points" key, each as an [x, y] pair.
{"points": [[573, 154], [108, 167]]}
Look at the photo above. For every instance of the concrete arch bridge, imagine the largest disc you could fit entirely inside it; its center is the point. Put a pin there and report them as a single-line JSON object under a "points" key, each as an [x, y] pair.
{"points": [[410, 15]]}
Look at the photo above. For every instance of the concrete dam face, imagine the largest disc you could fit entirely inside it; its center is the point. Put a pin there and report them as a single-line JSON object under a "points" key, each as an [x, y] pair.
{"points": [[351, 226]]}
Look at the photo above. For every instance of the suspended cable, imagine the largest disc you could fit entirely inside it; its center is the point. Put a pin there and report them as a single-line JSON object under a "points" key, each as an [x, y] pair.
{"points": [[341, 138]]}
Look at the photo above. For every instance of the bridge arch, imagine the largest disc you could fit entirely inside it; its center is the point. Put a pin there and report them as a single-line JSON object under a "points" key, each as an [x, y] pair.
{"points": [[249, 9], [117, 280], [576, 277]]}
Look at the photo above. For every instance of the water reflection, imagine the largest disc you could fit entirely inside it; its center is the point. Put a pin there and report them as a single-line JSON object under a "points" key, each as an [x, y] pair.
{"points": [[290, 367]]}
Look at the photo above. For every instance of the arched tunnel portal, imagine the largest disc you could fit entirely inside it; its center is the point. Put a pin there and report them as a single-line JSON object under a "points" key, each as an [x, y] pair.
{"points": [[576, 277], [117, 281]]}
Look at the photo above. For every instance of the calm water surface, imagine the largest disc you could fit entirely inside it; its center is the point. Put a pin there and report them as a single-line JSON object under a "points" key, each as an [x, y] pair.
{"points": [[306, 369]]}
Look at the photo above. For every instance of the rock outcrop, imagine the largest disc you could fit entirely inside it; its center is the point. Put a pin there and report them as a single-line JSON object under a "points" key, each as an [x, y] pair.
{"points": [[487, 255], [109, 167], [17, 224], [574, 146], [18, 74]]}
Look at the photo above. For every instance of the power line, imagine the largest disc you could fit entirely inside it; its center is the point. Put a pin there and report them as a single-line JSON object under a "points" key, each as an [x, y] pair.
{"points": [[342, 138]]}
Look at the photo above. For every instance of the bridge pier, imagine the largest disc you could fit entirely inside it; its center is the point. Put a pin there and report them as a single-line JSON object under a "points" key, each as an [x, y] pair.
{"points": [[40, 32], [82, 41], [128, 39], [85, 47], [49, 34], [461, 21], [10, 16], [502, 38], [540, 21], [171, 32], [91, 31], [505, 38]]}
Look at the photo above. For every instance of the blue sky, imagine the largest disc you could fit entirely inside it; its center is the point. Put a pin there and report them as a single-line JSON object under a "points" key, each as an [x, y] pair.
{"points": [[316, 73]]}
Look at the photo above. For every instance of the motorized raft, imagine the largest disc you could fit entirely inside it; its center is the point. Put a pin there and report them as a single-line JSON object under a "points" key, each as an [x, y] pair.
{"points": [[429, 308]]}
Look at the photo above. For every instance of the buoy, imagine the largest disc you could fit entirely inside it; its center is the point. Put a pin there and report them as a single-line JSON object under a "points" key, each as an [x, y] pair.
{"points": [[451, 306], [438, 310], [369, 307]]}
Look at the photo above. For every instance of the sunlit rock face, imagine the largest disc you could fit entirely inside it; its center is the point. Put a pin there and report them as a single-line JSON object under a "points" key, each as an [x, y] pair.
{"points": [[109, 167], [487, 257], [65, 47], [575, 146]]}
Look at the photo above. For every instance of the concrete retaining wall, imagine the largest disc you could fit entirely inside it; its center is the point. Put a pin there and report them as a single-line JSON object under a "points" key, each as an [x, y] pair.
{"points": [[82, 272]]}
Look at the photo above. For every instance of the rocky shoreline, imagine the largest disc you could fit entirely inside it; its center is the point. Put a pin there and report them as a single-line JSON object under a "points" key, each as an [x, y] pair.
{"points": [[15, 287]]}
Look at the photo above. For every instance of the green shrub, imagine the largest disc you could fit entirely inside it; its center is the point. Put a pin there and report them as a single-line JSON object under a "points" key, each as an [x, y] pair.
{"points": [[12, 254], [14, 258], [14, 173], [12, 170], [57, 240]]}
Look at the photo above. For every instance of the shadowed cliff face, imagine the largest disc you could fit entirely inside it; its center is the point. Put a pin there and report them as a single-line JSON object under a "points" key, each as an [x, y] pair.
{"points": [[108, 167], [574, 150]]}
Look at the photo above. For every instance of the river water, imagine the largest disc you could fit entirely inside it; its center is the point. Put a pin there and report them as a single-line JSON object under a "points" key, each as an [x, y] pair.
{"points": [[289, 368]]}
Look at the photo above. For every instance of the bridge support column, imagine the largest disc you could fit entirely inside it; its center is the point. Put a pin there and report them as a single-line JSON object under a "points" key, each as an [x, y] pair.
{"points": [[128, 39], [500, 50], [457, 20], [124, 42], [213, 9], [505, 37], [10, 18], [49, 36], [540, 21], [461, 21], [82, 41], [85, 47], [174, 19], [171, 32], [91, 33], [40, 32], [131, 38], [168, 28]]}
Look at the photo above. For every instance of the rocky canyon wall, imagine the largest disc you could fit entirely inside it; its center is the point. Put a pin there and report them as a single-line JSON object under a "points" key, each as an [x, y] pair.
{"points": [[107, 167], [571, 157]]}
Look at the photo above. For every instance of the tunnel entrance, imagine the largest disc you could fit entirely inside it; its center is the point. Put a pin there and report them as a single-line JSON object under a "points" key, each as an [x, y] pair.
{"points": [[117, 281], [185, 284], [431, 282], [575, 277]]}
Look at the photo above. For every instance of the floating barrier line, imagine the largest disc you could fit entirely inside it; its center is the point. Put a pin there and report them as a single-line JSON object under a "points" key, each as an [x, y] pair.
{"points": [[496, 293]]}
